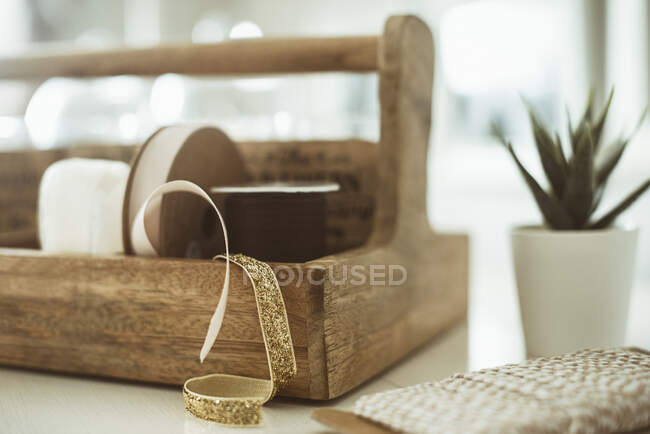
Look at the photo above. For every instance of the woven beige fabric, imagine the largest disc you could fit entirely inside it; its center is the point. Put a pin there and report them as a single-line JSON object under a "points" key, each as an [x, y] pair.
{"points": [[588, 391]]}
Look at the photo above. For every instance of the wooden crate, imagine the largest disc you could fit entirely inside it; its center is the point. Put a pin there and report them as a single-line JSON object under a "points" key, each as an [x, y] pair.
{"points": [[144, 319]]}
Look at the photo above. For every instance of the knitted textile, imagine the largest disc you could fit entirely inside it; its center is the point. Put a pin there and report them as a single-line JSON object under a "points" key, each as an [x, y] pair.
{"points": [[584, 392]]}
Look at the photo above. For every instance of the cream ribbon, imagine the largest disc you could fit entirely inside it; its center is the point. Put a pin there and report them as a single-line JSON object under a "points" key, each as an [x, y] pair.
{"points": [[227, 399], [144, 237]]}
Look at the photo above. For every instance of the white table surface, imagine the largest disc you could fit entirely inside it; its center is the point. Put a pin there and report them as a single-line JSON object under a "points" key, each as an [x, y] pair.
{"points": [[36, 402]]}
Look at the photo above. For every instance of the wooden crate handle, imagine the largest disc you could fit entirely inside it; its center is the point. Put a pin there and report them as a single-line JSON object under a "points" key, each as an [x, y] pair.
{"points": [[403, 57], [405, 63], [246, 56]]}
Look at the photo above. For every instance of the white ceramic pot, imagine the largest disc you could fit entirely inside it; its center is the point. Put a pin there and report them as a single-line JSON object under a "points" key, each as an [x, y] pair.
{"points": [[574, 287]]}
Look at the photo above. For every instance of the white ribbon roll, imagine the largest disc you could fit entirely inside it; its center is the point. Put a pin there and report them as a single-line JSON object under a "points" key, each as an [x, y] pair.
{"points": [[80, 206]]}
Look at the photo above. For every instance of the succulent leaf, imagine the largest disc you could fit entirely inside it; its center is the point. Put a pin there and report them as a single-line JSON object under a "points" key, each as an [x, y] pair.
{"points": [[589, 108], [559, 153], [552, 162], [569, 125], [597, 129], [607, 167], [497, 131], [579, 192], [577, 183], [582, 125], [609, 218], [598, 196], [554, 214]]}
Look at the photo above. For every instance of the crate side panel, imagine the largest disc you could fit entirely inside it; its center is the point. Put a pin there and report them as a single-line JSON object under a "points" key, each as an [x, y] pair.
{"points": [[135, 318]]}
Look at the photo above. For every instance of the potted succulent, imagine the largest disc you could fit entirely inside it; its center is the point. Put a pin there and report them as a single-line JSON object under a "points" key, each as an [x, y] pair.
{"points": [[574, 273]]}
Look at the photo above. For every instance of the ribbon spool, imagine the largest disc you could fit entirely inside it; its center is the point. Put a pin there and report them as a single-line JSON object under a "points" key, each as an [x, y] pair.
{"points": [[280, 221], [79, 206], [183, 224]]}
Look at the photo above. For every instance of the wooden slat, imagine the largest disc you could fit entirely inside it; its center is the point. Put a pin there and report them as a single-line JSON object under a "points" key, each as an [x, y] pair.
{"points": [[144, 319], [350, 162], [137, 318], [368, 327], [248, 56]]}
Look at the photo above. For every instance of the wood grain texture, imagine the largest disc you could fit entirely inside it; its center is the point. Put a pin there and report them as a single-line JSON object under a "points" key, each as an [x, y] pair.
{"points": [[145, 319], [246, 56], [346, 422], [351, 163], [136, 318]]}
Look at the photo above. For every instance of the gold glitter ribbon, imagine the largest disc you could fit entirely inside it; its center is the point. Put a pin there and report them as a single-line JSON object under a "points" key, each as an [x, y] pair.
{"points": [[223, 398], [235, 400]]}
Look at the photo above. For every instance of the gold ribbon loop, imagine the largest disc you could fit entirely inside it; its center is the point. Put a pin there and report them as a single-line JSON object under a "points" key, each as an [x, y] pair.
{"points": [[235, 400]]}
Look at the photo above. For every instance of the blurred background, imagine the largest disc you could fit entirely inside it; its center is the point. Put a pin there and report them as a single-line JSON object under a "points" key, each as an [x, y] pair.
{"points": [[488, 55]]}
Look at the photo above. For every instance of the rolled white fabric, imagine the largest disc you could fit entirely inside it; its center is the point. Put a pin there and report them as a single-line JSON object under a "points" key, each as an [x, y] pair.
{"points": [[80, 206]]}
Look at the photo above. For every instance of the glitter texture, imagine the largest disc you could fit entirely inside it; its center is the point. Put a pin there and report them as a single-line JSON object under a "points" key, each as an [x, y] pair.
{"points": [[234, 412], [247, 410]]}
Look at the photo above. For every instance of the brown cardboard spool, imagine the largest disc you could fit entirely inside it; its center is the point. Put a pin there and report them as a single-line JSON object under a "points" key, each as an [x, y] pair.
{"points": [[282, 221], [202, 155]]}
